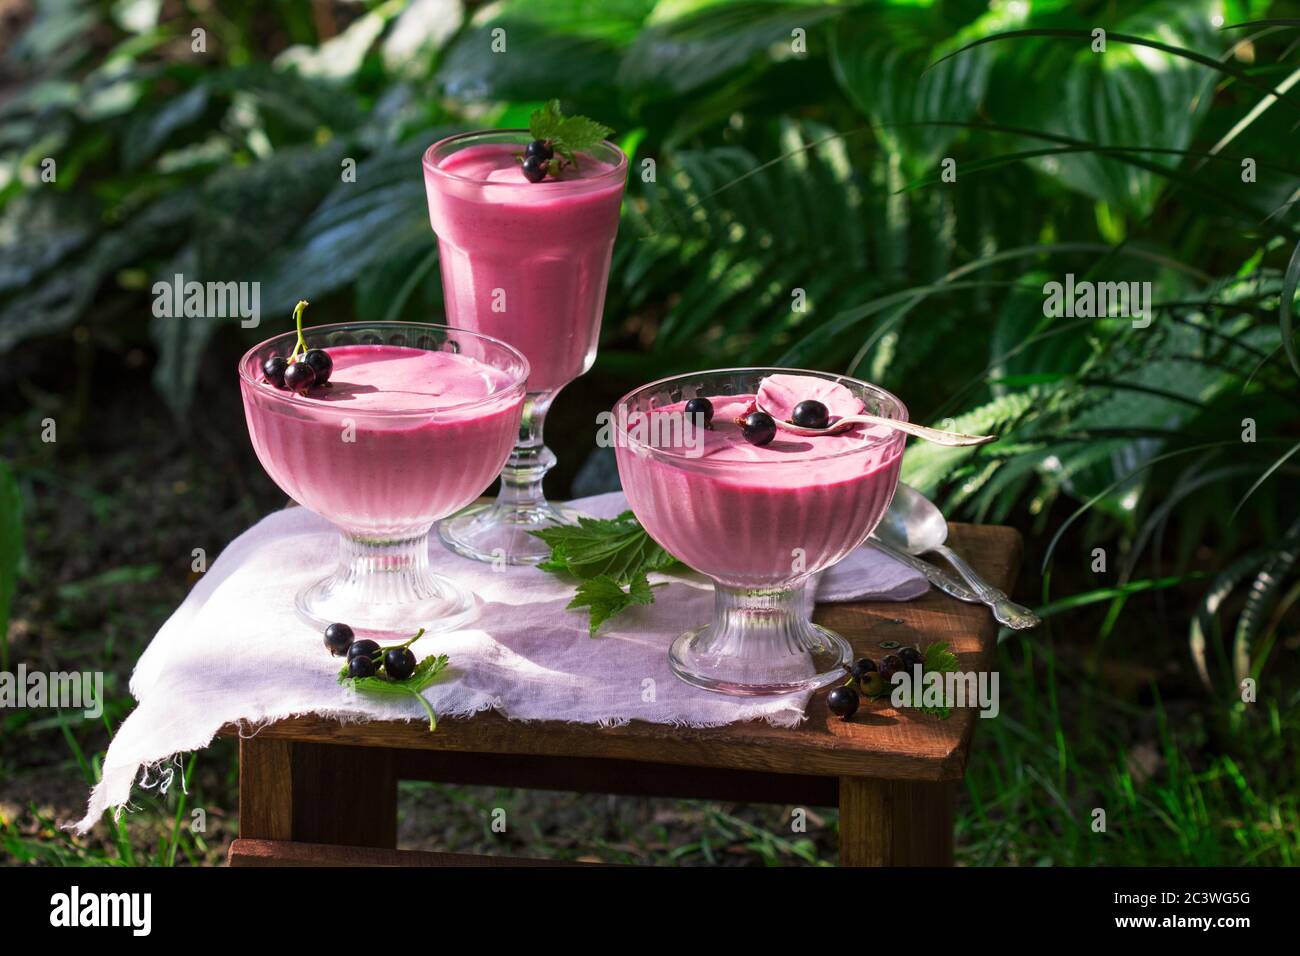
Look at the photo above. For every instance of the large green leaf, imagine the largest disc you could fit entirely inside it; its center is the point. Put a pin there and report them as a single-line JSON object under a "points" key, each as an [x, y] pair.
{"points": [[381, 216], [150, 130], [241, 217], [686, 53], [732, 240], [568, 49], [881, 55], [1126, 96], [37, 231], [61, 295]]}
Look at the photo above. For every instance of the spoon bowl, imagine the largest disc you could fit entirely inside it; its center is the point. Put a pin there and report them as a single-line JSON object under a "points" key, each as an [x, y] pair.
{"points": [[914, 525]]}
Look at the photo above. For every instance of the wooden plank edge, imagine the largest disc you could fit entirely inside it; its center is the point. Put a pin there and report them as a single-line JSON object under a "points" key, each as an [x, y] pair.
{"points": [[275, 853]]}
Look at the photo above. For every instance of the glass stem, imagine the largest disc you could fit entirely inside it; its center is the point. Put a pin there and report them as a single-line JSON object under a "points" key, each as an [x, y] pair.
{"points": [[761, 622], [521, 478], [387, 570]]}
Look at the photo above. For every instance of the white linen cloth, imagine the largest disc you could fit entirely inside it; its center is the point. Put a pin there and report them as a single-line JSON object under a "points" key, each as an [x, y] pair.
{"points": [[234, 651]]}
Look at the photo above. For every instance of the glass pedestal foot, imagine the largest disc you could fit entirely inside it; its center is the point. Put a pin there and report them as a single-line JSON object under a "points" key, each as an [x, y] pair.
{"points": [[383, 589], [497, 532], [759, 645]]}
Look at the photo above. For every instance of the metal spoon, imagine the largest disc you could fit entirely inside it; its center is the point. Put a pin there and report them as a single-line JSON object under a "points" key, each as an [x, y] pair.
{"points": [[914, 525], [938, 436]]}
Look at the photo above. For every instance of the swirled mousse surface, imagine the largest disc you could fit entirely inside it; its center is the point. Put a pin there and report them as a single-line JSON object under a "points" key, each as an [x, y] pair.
{"points": [[751, 515], [778, 394], [341, 451], [392, 378], [498, 163]]}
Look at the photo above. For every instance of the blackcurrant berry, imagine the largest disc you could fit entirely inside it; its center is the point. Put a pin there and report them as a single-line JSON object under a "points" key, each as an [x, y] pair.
{"points": [[872, 684], [320, 363], [299, 377], [274, 368], [399, 663], [890, 665], [338, 638], [862, 668], [758, 428], [810, 414], [366, 647], [361, 666], [540, 149], [843, 702], [534, 169], [910, 657], [700, 406]]}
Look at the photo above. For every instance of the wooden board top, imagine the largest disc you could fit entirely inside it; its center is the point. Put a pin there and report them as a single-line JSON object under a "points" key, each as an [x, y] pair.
{"points": [[879, 741]]}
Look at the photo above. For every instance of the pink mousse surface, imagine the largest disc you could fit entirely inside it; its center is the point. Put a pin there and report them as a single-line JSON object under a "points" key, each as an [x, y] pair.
{"points": [[737, 512], [431, 429], [546, 246]]}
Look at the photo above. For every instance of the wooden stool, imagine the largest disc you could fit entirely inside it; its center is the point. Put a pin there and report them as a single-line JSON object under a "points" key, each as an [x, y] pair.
{"points": [[891, 772]]}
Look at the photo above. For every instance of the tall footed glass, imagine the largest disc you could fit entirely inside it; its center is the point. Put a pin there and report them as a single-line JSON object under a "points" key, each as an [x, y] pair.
{"points": [[759, 520], [414, 423], [528, 263]]}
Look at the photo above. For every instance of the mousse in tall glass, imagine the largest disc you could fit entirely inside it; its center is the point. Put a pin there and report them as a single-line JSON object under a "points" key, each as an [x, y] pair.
{"points": [[526, 262], [414, 423], [759, 519]]}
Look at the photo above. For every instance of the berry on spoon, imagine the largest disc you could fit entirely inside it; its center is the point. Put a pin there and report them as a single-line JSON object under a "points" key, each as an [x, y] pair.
{"points": [[810, 414]]}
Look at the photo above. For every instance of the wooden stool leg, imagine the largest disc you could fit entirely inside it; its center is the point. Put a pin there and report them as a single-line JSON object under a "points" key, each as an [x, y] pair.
{"points": [[893, 823], [317, 793], [265, 789]]}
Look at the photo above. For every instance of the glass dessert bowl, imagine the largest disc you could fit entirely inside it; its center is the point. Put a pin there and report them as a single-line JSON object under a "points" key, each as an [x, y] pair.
{"points": [[528, 263], [414, 423], [759, 520]]}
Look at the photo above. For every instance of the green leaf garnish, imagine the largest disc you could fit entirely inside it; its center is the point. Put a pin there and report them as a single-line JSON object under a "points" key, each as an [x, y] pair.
{"points": [[616, 547], [545, 122], [605, 597], [567, 135], [425, 673], [940, 659], [611, 557]]}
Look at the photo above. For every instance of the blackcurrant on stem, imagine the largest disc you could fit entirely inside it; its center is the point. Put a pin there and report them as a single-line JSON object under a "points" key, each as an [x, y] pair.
{"points": [[297, 319], [418, 635]]}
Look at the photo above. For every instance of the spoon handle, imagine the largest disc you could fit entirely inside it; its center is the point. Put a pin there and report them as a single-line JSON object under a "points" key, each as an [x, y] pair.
{"points": [[936, 435], [938, 577], [1006, 611]]}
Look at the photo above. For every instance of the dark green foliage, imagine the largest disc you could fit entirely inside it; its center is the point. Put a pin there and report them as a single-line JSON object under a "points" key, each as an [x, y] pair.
{"points": [[789, 205]]}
